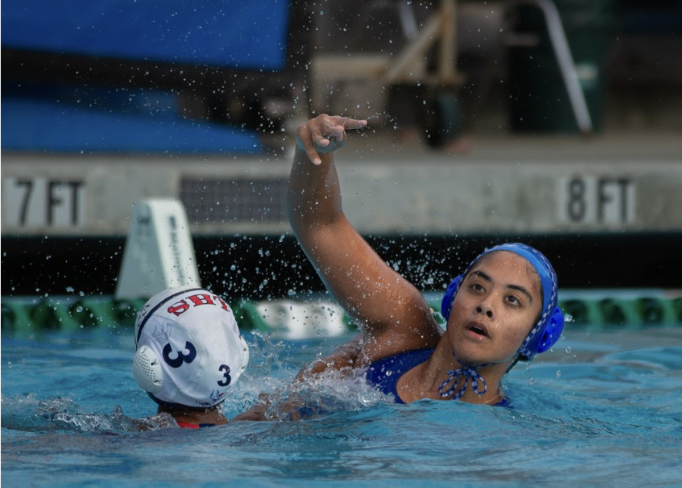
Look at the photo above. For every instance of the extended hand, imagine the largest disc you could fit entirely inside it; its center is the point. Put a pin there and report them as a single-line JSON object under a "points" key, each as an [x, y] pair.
{"points": [[325, 134]]}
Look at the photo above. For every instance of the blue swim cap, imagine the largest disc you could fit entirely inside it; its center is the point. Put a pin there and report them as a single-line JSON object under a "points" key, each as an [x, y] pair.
{"points": [[548, 329]]}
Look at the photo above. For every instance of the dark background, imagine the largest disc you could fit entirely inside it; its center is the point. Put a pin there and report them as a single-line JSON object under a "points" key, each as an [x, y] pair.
{"points": [[49, 265]]}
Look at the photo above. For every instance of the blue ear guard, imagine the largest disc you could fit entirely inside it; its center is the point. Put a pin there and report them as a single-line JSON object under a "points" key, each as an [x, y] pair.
{"points": [[449, 297], [552, 332], [551, 324]]}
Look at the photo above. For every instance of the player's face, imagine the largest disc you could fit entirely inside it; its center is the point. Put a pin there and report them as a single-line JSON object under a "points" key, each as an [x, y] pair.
{"points": [[495, 308]]}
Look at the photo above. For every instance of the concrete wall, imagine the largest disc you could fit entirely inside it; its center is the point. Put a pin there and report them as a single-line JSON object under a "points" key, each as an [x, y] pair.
{"points": [[401, 192]]}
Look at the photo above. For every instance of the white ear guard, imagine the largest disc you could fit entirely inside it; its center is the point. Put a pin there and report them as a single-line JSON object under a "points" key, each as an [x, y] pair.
{"points": [[246, 355], [147, 370]]}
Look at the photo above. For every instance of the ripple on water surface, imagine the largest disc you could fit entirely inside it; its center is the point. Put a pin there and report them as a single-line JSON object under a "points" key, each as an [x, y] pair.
{"points": [[599, 410]]}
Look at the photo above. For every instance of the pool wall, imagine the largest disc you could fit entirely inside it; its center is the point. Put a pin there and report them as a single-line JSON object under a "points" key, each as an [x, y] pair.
{"points": [[298, 319], [607, 212]]}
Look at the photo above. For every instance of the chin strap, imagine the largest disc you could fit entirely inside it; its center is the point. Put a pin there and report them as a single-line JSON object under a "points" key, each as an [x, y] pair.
{"points": [[466, 373]]}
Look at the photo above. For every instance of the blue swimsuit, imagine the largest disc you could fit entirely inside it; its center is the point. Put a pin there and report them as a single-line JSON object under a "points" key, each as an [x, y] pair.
{"points": [[383, 374]]}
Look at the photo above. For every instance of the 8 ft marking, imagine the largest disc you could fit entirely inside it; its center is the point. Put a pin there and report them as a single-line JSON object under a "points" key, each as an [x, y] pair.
{"points": [[597, 200]]}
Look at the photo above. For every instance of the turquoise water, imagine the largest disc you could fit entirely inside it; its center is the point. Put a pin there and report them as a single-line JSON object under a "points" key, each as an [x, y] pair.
{"points": [[602, 409]]}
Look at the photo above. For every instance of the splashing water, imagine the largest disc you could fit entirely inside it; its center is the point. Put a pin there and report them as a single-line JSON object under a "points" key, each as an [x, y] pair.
{"points": [[91, 389], [61, 426]]}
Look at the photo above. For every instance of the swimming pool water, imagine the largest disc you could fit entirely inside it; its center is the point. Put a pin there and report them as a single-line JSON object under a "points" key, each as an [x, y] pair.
{"points": [[602, 409]]}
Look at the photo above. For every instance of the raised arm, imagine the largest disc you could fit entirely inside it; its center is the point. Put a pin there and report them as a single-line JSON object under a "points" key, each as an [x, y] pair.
{"points": [[371, 291]]}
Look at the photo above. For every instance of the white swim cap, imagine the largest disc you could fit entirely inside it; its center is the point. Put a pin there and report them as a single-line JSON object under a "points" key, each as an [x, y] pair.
{"points": [[189, 350]]}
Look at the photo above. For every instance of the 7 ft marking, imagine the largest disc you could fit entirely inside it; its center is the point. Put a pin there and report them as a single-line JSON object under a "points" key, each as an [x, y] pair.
{"points": [[40, 202]]}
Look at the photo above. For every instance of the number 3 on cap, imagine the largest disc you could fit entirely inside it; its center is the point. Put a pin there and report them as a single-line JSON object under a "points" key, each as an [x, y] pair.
{"points": [[177, 362], [226, 375]]}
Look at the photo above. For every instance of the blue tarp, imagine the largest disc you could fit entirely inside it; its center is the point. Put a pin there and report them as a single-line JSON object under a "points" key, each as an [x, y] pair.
{"points": [[34, 124], [225, 33]]}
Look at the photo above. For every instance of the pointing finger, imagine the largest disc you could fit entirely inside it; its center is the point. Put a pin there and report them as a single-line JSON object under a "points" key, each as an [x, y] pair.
{"points": [[348, 123]]}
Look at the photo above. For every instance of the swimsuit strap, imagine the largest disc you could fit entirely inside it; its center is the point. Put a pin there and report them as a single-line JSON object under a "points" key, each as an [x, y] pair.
{"points": [[187, 425]]}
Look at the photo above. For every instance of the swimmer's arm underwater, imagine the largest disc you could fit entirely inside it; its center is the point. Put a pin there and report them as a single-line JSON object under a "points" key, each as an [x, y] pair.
{"points": [[158, 421], [343, 360], [346, 357], [370, 290]]}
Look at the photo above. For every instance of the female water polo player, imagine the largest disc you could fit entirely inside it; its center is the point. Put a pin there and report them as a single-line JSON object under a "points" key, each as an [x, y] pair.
{"points": [[501, 309], [189, 355]]}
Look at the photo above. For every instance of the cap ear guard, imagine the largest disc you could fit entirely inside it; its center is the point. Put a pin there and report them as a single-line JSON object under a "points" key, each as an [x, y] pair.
{"points": [[245, 353], [552, 331], [449, 297], [147, 370]]}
